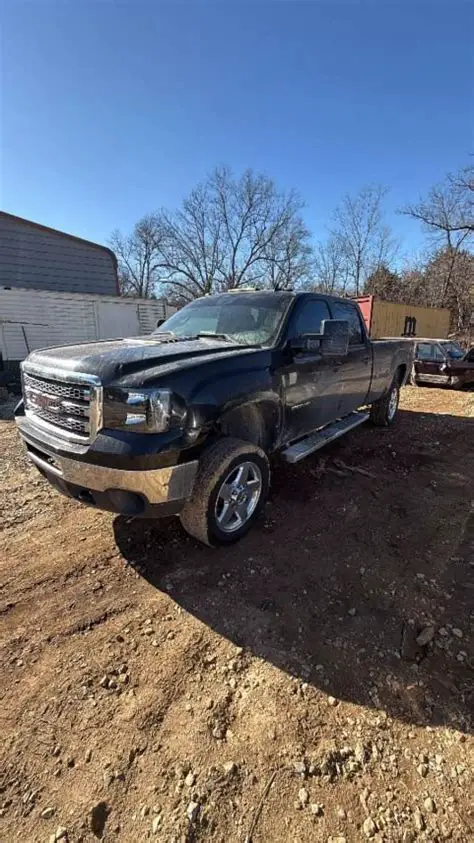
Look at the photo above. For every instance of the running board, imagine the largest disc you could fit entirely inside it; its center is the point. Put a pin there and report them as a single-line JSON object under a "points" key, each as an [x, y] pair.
{"points": [[311, 443]]}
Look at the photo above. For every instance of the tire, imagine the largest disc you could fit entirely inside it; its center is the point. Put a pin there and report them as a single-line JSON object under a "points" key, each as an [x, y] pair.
{"points": [[210, 515], [384, 411]]}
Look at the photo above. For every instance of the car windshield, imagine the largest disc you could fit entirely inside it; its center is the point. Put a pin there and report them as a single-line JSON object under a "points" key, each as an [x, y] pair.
{"points": [[452, 349], [246, 318]]}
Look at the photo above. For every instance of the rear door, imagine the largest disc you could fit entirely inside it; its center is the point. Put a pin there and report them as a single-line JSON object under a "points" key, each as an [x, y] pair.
{"points": [[354, 372], [309, 382]]}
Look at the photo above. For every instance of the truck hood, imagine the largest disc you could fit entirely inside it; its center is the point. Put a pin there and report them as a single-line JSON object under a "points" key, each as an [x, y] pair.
{"points": [[112, 360]]}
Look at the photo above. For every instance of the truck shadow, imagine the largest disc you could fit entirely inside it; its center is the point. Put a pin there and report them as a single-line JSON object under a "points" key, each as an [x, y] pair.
{"points": [[347, 569]]}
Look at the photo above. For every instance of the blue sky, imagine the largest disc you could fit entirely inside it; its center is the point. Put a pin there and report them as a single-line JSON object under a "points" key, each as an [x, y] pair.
{"points": [[110, 110]]}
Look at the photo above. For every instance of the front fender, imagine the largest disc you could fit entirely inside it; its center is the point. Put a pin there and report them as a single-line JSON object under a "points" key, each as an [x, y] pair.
{"points": [[238, 392]]}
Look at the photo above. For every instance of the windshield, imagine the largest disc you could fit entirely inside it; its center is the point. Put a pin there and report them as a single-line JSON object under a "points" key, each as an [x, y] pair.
{"points": [[246, 318], [452, 349]]}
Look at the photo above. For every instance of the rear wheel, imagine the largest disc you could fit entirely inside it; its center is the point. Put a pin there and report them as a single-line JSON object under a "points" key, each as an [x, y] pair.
{"points": [[229, 494], [384, 411]]}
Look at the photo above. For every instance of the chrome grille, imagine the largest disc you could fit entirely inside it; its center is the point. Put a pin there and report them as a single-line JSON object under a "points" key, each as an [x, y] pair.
{"points": [[76, 392], [71, 409]]}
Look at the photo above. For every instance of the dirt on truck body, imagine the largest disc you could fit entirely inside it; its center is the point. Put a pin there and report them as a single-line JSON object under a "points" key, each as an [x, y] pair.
{"points": [[312, 683]]}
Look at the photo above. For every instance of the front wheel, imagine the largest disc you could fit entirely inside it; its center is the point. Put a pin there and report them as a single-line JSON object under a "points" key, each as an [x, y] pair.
{"points": [[384, 411], [229, 493]]}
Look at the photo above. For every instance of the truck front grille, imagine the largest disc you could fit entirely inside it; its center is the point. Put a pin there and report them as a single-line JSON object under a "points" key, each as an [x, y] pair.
{"points": [[71, 409]]}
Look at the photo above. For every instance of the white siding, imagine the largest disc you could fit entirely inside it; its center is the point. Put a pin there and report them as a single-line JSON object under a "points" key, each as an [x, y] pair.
{"points": [[149, 312], [31, 319]]}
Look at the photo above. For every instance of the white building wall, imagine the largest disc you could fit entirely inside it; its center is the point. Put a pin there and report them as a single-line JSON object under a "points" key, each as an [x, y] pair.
{"points": [[32, 319]]}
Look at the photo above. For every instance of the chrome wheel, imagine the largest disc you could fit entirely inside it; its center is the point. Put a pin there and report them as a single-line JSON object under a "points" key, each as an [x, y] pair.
{"points": [[392, 404], [238, 496]]}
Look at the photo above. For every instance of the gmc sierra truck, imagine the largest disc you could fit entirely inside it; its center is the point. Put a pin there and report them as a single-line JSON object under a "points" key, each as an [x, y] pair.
{"points": [[183, 422]]}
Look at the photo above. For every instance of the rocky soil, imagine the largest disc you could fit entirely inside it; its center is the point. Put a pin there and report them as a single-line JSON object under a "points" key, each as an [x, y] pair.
{"points": [[313, 683]]}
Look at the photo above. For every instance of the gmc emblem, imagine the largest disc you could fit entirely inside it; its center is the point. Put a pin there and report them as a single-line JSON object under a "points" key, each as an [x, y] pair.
{"points": [[38, 401]]}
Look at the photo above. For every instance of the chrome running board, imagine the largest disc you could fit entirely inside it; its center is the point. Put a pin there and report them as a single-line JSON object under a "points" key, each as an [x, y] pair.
{"points": [[304, 447]]}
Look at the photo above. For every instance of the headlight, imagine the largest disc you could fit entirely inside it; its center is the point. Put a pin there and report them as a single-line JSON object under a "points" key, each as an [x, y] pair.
{"points": [[144, 411], [155, 414]]}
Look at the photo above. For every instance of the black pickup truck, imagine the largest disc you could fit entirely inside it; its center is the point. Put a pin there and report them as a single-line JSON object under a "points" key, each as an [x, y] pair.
{"points": [[183, 421]]}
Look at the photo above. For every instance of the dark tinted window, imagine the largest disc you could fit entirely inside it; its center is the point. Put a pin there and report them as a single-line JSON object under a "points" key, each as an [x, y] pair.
{"points": [[348, 311], [308, 318]]}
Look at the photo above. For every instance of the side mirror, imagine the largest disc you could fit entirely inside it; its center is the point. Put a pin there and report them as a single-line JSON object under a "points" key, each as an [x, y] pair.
{"points": [[335, 338]]}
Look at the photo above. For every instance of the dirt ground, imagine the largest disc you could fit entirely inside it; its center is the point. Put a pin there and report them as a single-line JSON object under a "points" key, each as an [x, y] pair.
{"points": [[155, 689]]}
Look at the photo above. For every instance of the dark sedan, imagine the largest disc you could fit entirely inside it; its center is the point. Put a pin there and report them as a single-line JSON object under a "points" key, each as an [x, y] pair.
{"points": [[442, 362]]}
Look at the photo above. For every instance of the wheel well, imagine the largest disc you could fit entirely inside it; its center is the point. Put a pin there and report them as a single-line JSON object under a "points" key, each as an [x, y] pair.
{"points": [[255, 423], [401, 373]]}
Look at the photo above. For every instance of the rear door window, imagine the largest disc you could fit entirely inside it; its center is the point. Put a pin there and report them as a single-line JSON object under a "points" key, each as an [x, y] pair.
{"points": [[348, 311]]}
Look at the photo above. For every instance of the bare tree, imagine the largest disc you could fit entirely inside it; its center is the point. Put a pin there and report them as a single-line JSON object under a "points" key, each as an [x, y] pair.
{"points": [[193, 257], [449, 281], [463, 183], [330, 267], [231, 232], [288, 258], [139, 256], [363, 237], [447, 213]]}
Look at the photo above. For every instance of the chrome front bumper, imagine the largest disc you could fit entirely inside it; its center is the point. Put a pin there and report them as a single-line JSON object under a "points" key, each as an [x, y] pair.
{"points": [[158, 486]]}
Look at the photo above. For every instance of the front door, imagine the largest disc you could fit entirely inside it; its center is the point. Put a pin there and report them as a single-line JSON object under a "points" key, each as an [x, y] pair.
{"points": [[354, 370], [430, 363], [308, 381]]}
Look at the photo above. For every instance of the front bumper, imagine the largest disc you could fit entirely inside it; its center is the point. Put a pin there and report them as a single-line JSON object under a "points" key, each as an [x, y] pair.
{"points": [[151, 493], [462, 378]]}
